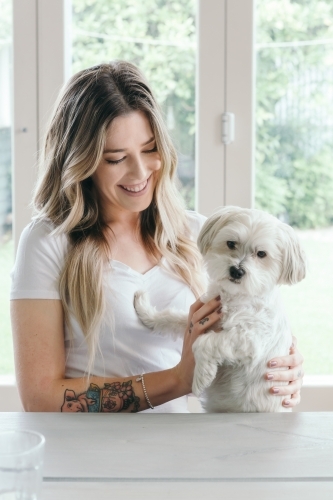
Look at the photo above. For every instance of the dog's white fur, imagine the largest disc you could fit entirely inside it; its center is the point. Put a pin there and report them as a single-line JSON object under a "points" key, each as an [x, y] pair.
{"points": [[231, 363]]}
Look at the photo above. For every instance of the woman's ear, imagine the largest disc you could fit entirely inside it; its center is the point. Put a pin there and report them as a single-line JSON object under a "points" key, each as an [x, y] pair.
{"points": [[293, 257], [213, 225]]}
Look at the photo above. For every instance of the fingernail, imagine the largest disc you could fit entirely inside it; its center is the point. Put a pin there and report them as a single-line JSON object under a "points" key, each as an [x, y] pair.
{"points": [[292, 345], [286, 403], [272, 363], [275, 390], [270, 376], [218, 298], [219, 310]]}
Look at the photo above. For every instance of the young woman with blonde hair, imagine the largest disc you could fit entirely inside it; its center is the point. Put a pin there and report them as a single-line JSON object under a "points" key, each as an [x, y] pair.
{"points": [[109, 221]]}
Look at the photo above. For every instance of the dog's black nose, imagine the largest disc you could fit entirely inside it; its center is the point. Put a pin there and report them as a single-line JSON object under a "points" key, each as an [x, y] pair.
{"points": [[236, 272]]}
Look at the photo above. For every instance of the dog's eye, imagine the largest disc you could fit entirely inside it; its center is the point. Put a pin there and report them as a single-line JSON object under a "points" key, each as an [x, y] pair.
{"points": [[261, 254], [231, 245]]}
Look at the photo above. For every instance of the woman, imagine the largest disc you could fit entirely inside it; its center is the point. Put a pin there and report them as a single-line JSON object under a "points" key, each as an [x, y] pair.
{"points": [[109, 222]]}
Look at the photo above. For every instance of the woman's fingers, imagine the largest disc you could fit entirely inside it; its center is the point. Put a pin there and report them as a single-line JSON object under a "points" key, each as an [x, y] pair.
{"points": [[294, 375], [199, 313], [205, 323], [290, 389], [294, 400], [204, 317], [286, 375], [292, 360], [194, 307]]}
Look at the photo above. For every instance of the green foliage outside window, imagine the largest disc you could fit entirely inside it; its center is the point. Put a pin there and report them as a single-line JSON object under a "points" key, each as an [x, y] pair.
{"points": [[294, 171]]}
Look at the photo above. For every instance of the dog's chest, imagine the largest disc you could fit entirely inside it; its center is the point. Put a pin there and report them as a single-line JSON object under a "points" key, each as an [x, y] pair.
{"points": [[242, 310]]}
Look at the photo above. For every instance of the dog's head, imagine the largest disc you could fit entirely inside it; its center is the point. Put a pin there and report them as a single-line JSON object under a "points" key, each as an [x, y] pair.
{"points": [[249, 251]]}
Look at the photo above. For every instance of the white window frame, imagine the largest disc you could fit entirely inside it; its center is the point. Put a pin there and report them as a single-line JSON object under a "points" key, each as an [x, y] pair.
{"points": [[225, 83], [39, 72]]}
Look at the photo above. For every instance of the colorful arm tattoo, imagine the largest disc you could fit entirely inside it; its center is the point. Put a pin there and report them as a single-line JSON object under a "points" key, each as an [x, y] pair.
{"points": [[112, 398]]}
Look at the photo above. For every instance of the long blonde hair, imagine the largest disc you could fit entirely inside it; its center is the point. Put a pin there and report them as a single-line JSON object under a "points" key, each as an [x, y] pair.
{"points": [[65, 194]]}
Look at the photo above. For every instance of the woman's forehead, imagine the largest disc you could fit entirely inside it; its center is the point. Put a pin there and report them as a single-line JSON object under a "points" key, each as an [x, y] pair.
{"points": [[127, 129]]}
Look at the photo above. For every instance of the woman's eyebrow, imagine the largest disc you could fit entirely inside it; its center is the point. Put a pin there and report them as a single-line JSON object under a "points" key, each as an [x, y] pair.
{"points": [[122, 150], [148, 142]]}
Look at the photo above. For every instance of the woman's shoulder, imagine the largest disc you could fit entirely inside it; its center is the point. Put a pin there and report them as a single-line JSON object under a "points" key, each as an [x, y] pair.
{"points": [[195, 222], [39, 260], [40, 227], [41, 234]]}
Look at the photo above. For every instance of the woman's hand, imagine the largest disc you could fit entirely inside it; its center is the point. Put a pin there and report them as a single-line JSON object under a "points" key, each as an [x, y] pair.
{"points": [[200, 320], [294, 375]]}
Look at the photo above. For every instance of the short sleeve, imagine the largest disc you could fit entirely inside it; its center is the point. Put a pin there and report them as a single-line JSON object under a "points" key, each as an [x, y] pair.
{"points": [[196, 221], [39, 261]]}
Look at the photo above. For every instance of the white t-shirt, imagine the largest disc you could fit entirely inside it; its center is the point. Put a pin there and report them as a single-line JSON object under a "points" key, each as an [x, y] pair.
{"points": [[129, 348]]}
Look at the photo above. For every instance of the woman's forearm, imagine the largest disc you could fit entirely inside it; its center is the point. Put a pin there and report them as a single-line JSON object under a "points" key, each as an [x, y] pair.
{"points": [[106, 395]]}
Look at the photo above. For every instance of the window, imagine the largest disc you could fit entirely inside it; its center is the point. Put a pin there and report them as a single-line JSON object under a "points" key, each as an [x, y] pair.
{"points": [[285, 104], [6, 241], [294, 146]]}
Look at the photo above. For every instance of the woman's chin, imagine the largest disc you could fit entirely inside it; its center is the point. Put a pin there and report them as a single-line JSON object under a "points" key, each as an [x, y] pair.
{"points": [[136, 204]]}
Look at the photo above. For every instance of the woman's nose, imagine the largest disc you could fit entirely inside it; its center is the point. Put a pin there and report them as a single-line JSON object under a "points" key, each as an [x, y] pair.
{"points": [[138, 168]]}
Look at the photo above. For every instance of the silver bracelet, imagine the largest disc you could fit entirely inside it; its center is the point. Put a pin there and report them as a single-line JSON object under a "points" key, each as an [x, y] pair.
{"points": [[141, 379]]}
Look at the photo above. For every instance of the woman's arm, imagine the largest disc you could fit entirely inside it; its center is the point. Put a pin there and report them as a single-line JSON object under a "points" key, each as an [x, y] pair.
{"points": [[294, 376], [38, 335]]}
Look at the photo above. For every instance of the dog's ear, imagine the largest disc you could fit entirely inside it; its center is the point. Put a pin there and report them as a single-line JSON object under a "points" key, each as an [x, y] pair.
{"points": [[213, 225], [293, 257]]}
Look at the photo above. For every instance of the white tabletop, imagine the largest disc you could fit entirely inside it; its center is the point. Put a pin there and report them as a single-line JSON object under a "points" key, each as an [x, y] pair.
{"points": [[214, 490], [245, 454]]}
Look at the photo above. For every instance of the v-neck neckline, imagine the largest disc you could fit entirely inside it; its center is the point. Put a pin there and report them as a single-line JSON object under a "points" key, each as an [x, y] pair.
{"points": [[122, 265]]}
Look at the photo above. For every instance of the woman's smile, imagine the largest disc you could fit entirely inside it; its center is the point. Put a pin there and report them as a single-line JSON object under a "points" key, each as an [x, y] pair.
{"points": [[136, 189]]}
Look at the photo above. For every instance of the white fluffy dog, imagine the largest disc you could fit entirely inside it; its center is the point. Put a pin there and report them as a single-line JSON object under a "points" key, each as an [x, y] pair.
{"points": [[248, 254]]}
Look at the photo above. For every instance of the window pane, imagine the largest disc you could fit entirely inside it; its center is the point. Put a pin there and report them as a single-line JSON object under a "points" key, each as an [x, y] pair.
{"points": [[294, 173], [6, 243], [159, 37]]}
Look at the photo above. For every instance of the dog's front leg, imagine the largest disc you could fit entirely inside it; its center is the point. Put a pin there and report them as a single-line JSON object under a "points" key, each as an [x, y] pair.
{"points": [[206, 362], [169, 322]]}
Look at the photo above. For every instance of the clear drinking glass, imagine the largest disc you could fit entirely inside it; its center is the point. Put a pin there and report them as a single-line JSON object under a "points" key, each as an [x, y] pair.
{"points": [[21, 464]]}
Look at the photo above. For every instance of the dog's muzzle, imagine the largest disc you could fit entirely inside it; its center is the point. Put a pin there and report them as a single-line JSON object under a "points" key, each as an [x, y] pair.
{"points": [[236, 273]]}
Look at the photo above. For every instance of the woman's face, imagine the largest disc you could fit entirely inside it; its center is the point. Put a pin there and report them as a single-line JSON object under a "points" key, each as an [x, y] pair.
{"points": [[126, 177]]}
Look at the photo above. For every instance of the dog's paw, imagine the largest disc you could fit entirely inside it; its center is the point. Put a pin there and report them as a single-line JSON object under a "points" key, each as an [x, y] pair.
{"points": [[141, 300], [144, 309]]}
